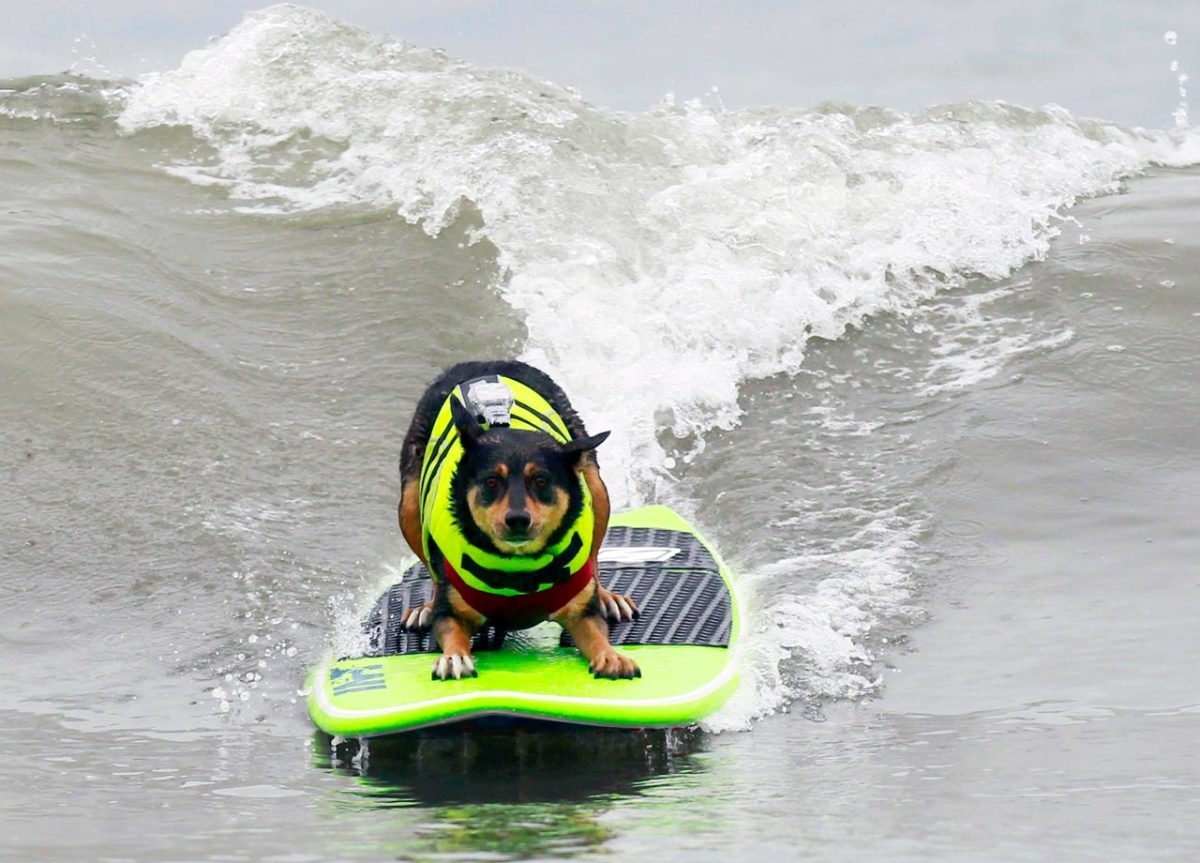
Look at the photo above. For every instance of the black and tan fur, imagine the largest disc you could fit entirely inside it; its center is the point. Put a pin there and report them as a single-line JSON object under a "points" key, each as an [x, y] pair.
{"points": [[515, 493]]}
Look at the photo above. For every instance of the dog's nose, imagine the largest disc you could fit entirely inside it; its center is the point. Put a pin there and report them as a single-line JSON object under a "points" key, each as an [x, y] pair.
{"points": [[517, 521]]}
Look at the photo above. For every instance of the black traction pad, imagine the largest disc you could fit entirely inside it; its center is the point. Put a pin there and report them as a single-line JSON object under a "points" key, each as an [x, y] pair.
{"points": [[669, 574]]}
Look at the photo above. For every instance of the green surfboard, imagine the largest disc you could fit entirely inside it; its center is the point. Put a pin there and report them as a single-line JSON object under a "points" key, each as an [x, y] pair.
{"points": [[683, 642]]}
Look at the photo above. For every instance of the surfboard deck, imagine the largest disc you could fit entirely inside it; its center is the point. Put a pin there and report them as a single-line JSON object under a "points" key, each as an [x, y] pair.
{"points": [[682, 642]]}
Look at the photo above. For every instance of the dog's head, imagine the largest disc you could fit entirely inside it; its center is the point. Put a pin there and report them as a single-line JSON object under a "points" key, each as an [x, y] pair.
{"points": [[515, 491]]}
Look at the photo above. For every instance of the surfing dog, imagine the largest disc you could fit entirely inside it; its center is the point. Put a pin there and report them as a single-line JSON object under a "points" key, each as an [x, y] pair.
{"points": [[501, 499]]}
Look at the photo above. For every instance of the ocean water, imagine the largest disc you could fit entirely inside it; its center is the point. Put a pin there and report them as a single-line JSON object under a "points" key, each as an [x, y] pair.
{"points": [[927, 379]]}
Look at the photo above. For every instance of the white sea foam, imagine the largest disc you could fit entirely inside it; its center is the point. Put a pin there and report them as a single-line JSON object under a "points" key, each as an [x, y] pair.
{"points": [[659, 260], [976, 342], [814, 644]]}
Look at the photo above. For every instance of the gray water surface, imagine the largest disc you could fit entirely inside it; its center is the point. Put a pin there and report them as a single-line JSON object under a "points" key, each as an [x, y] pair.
{"points": [[964, 529]]}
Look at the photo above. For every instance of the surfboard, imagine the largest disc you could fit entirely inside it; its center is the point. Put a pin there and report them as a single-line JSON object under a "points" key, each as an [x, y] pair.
{"points": [[683, 641]]}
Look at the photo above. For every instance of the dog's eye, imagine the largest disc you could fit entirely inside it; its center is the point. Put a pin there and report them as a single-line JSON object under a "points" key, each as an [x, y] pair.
{"points": [[492, 486], [542, 488]]}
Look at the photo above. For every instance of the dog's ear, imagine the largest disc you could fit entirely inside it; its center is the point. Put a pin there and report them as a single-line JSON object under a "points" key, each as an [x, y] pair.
{"points": [[576, 448], [467, 425]]}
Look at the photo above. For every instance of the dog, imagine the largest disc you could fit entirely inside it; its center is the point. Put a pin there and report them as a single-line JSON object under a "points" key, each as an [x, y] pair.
{"points": [[501, 499]]}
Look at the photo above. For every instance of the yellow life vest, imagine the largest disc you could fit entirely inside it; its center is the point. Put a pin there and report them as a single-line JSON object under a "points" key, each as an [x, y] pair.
{"points": [[479, 569]]}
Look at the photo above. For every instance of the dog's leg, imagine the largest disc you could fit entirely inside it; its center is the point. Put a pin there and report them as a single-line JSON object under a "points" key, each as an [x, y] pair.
{"points": [[616, 606], [455, 642], [454, 622], [409, 512], [584, 619]]}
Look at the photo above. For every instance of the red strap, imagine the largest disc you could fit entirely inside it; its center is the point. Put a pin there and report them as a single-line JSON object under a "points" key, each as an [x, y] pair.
{"points": [[497, 607]]}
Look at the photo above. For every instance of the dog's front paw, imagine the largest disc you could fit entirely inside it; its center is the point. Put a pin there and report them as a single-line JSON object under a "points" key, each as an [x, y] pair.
{"points": [[454, 665], [613, 665], [417, 619], [617, 606]]}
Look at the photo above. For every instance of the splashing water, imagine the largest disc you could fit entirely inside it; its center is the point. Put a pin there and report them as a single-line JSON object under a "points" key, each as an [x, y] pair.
{"points": [[659, 261], [1180, 114]]}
